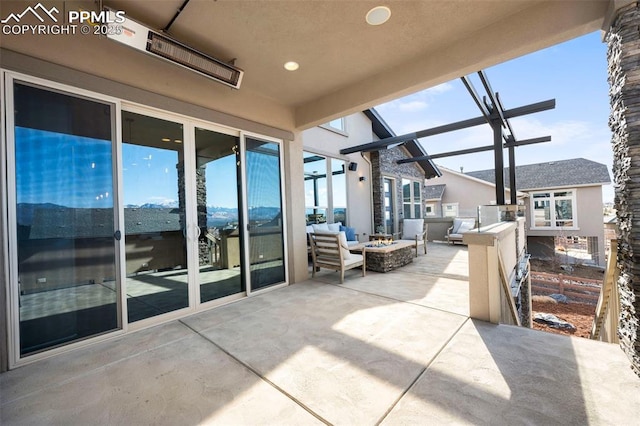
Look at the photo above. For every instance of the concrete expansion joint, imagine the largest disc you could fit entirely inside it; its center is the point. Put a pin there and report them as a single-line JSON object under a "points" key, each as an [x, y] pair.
{"points": [[398, 300], [258, 374], [422, 372]]}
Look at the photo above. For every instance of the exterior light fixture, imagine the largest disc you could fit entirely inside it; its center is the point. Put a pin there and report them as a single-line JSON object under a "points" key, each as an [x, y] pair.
{"points": [[291, 66], [362, 179], [378, 15]]}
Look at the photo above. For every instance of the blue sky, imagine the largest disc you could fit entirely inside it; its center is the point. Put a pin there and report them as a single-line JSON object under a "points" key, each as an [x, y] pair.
{"points": [[574, 73]]}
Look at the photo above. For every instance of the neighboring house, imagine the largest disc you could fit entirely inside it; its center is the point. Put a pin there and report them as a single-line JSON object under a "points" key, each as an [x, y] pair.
{"points": [[364, 190], [563, 198], [458, 194]]}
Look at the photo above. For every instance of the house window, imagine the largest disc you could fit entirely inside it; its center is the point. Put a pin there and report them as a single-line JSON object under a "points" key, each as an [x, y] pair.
{"points": [[450, 209], [430, 209], [411, 199], [553, 209], [325, 189], [338, 125]]}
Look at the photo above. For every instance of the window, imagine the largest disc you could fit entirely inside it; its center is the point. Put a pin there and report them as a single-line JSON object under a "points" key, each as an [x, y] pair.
{"points": [[339, 125], [553, 209], [450, 209], [430, 209], [411, 199], [325, 189]]}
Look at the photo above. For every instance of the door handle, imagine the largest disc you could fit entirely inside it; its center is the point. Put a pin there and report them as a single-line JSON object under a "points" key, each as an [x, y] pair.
{"points": [[117, 235]]}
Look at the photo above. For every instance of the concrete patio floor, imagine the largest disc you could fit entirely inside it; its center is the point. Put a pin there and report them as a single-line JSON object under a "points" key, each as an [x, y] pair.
{"points": [[394, 348]]}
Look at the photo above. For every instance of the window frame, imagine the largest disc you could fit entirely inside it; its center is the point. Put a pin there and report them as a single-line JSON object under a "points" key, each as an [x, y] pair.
{"points": [[342, 130], [329, 208], [414, 201], [446, 205], [552, 197]]}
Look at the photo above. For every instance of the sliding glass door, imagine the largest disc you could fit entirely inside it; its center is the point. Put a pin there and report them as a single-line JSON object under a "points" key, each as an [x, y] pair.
{"points": [[121, 216], [64, 214], [265, 214], [154, 216], [221, 237]]}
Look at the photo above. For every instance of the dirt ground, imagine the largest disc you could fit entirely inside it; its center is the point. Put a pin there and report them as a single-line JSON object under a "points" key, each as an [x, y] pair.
{"points": [[579, 314]]}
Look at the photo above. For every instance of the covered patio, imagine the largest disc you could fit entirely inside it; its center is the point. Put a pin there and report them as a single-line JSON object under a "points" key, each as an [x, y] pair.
{"points": [[393, 348]]}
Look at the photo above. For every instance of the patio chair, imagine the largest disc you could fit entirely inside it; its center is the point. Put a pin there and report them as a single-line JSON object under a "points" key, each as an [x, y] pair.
{"points": [[415, 230], [460, 226], [330, 251]]}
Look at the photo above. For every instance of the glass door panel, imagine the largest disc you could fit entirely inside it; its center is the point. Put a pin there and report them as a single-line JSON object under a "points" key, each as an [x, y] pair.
{"points": [[389, 200], [220, 245], [339, 190], [65, 218], [154, 215], [264, 203]]}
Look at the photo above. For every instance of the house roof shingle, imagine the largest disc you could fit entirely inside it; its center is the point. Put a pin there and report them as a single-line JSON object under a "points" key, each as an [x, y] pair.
{"points": [[576, 171], [434, 192]]}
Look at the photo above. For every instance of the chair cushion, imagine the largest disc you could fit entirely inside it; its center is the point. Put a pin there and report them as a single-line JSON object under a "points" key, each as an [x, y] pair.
{"points": [[344, 247], [309, 229], [320, 227], [335, 227], [350, 232], [465, 226], [411, 228], [458, 222], [355, 258]]}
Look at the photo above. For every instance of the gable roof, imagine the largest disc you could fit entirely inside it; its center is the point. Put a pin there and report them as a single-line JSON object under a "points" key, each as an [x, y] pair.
{"points": [[383, 131], [434, 192], [553, 174]]}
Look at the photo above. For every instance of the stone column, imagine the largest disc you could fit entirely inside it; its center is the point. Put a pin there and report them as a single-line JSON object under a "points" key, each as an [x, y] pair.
{"points": [[623, 55]]}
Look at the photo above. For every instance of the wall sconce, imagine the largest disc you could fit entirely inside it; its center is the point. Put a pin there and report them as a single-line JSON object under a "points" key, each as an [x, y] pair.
{"points": [[362, 179], [353, 167]]}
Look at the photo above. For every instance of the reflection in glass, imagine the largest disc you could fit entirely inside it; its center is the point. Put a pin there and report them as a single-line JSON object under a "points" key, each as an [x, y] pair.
{"points": [[220, 242], [406, 198], [266, 239], [389, 195], [315, 188], [65, 218], [417, 200], [154, 215], [339, 191]]}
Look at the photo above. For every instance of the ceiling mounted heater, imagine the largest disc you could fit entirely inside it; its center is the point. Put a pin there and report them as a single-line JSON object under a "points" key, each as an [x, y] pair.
{"points": [[141, 38]]}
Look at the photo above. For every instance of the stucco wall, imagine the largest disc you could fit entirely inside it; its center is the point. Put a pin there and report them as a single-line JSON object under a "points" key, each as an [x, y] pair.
{"points": [[327, 142], [469, 193]]}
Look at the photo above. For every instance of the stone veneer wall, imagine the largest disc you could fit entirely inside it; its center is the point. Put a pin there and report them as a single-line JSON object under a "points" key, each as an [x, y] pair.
{"points": [[623, 55], [384, 164]]}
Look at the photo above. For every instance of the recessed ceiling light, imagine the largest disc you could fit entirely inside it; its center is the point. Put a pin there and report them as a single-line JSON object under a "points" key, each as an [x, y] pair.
{"points": [[177, 140], [166, 140], [291, 66], [378, 15]]}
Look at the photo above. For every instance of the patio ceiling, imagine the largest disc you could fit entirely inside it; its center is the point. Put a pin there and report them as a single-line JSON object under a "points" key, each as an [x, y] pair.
{"points": [[346, 64]]}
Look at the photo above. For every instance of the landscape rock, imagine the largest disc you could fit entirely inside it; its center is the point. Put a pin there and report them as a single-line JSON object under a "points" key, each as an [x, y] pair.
{"points": [[560, 298], [553, 321]]}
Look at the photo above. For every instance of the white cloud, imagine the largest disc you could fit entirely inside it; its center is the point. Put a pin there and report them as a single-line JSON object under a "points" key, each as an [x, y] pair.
{"points": [[416, 102], [412, 106], [440, 88]]}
